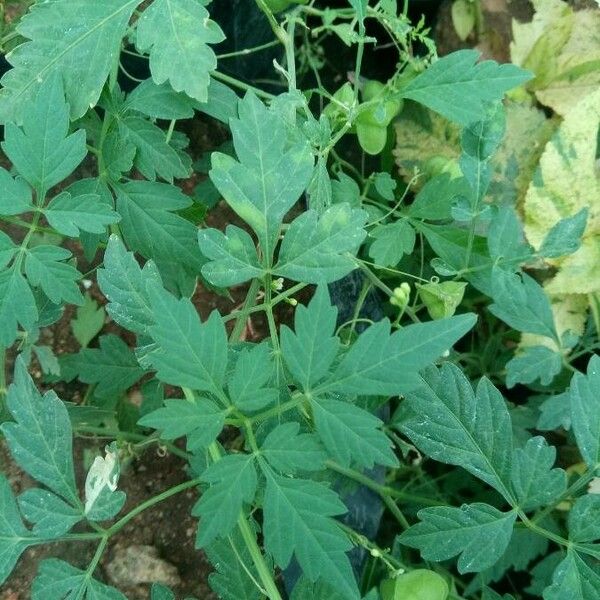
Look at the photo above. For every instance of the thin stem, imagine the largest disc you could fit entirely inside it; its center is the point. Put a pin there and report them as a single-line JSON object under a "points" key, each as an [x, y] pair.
{"points": [[242, 317], [247, 51], [241, 85], [186, 485]]}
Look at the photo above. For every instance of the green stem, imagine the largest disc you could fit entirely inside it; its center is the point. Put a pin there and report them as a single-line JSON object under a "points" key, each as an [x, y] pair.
{"points": [[241, 85], [247, 51], [277, 29], [186, 485], [242, 317]]}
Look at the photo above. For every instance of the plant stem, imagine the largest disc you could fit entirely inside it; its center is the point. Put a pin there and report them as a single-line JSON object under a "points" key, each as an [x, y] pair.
{"points": [[242, 317], [186, 485], [247, 51], [241, 85]]}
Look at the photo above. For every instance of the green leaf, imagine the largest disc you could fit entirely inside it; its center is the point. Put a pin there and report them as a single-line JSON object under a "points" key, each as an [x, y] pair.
{"points": [[158, 591], [118, 153], [392, 242], [7, 250], [270, 175], [233, 482], [505, 238], [69, 214], [42, 151], [190, 353], [565, 237], [320, 546], [47, 359], [77, 39], [521, 303], [457, 426], [154, 156], [112, 368], [58, 280], [534, 481], [478, 532], [40, 438], [57, 580], [382, 364], [88, 321], [351, 434], [125, 285], [573, 578], [252, 374], [232, 256], [321, 249], [585, 412], [289, 451], [534, 362], [555, 412], [13, 533], [151, 227], [222, 102], [319, 189], [459, 88], [360, 6], [200, 420], [15, 195], [310, 351], [17, 306], [316, 590], [159, 101], [229, 581], [177, 34], [584, 519], [52, 516], [435, 199]]}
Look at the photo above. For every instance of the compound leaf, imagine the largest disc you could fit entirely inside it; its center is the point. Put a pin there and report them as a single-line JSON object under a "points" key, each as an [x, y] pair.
{"points": [[320, 546], [382, 364], [51, 515], [573, 578], [478, 532], [40, 439], [289, 451], [57, 580], [88, 321], [565, 237], [159, 101], [151, 227], [310, 351], [392, 242], [42, 151], [534, 481], [69, 214], [584, 519], [200, 420], [45, 268], [320, 248], [534, 362], [13, 533], [15, 197], [17, 306], [77, 39], [459, 88], [124, 283], [177, 34], [233, 482], [232, 256], [228, 580], [521, 303], [252, 373], [351, 434], [585, 412], [455, 425], [112, 368], [190, 353], [154, 156], [269, 175]]}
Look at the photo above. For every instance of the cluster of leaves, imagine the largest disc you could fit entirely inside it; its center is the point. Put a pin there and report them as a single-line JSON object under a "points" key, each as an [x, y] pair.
{"points": [[306, 407]]}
